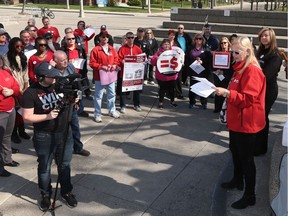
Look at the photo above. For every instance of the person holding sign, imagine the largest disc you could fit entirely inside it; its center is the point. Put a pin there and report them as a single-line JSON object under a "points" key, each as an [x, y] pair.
{"points": [[245, 98], [222, 70], [200, 65], [104, 61], [166, 81]]}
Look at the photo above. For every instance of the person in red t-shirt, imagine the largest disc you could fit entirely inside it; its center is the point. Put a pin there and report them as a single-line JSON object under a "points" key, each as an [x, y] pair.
{"points": [[42, 54], [48, 28]]}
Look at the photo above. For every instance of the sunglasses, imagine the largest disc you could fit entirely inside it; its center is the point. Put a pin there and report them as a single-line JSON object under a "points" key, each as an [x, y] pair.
{"points": [[198, 38], [44, 45], [180, 28], [223, 42], [104, 37], [48, 38], [19, 46], [235, 52], [130, 37], [70, 39]]}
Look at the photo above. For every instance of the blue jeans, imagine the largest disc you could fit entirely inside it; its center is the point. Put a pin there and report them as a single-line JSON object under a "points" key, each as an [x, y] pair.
{"points": [[48, 146], [110, 94], [78, 145]]}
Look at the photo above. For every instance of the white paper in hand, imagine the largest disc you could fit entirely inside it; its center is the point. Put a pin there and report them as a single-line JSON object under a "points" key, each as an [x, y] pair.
{"points": [[197, 67], [203, 88]]}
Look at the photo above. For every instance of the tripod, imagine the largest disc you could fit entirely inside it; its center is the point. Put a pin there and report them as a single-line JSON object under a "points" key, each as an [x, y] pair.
{"points": [[66, 132]]}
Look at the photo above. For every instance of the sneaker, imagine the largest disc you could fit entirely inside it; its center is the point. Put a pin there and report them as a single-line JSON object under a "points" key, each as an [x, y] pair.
{"points": [[123, 110], [138, 108], [14, 150], [98, 118], [114, 114], [151, 82], [145, 82], [70, 200], [173, 104], [161, 107], [191, 106], [83, 114], [45, 203], [83, 153], [204, 106]]}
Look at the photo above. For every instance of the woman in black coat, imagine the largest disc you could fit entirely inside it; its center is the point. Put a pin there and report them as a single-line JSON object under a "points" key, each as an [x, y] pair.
{"points": [[270, 61]]}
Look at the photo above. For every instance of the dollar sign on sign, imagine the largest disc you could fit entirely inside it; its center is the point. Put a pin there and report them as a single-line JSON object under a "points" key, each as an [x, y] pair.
{"points": [[173, 63]]}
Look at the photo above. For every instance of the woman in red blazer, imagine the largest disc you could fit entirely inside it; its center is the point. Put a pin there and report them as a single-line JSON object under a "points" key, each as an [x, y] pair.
{"points": [[245, 117]]}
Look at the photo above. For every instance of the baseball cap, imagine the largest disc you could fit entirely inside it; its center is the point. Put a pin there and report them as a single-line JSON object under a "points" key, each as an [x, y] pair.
{"points": [[44, 69], [2, 31], [103, 27], [104, 33]]}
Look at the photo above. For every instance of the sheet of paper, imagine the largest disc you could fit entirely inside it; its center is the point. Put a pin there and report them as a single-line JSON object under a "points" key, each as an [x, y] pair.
{"points": [[220, 76], [29, 53], [89, 31], [78, 63], [203, 88], [197, 67]]}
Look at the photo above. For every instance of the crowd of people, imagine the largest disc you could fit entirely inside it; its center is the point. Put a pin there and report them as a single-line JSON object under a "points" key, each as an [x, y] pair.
{"points": [[30, 63]]}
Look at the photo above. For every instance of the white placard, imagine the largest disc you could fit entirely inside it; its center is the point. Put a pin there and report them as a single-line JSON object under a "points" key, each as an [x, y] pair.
{"points": [[169, 61], [174, 11], [29, 53]]}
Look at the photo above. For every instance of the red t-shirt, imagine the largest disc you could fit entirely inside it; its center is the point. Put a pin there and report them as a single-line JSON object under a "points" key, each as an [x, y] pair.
{"points": [[53, 30], [73, 54]]}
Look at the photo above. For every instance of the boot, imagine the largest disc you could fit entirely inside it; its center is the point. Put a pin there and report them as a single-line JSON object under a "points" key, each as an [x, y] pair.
{"points": [[244, 202], [233, 184], [14, 137], [22, 132]]}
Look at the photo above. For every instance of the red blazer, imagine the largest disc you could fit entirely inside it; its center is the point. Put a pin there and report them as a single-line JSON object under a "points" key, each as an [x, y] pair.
{"points": [[98, 59], [246, 103], [8, 81]]}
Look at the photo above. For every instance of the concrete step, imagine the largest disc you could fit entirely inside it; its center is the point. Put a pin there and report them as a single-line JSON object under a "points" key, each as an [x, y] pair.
{"points": [[223, 27]]}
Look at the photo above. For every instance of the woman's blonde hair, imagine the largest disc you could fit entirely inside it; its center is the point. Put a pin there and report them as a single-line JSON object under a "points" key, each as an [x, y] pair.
{"points": [[198, 35], [246, 45], [149, 31]]}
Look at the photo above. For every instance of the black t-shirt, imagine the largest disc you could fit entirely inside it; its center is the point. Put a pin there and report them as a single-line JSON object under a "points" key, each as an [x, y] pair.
{"points": [[43, 100]]}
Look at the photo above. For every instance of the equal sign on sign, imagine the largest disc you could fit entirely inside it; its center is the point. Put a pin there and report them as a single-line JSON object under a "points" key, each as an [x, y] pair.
{"points": [[164, 63]]}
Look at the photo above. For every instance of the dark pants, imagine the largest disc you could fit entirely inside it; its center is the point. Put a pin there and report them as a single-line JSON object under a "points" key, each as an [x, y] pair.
{"points": [[136, 95], [178, 87], [149, 73], [47, 147], [166, 87], [262, 136], [78, 145], [242, 148], [7, 120], [192, 95]]}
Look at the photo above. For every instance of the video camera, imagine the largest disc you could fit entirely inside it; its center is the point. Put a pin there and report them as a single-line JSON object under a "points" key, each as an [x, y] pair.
{"points": [[69, 88]]}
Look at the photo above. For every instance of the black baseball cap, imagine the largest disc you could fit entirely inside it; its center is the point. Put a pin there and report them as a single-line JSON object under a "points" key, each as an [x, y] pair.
{"points": [[44, 69]]}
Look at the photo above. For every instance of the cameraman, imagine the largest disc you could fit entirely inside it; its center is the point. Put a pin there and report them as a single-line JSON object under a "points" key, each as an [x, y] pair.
{"points": [[50, 126], [66, 69]]}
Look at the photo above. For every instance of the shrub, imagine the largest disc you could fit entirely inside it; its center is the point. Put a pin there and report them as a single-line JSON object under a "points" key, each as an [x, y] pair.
{"points": [[134, 2]]}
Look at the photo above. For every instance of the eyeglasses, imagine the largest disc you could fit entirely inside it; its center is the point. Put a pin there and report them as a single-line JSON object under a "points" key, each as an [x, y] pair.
{"points": [[44, 45], [198, 38], [70, 39], [224, 42], [130, 37], [48, 38], [235, 52], [180, 28], [18, 46]]}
